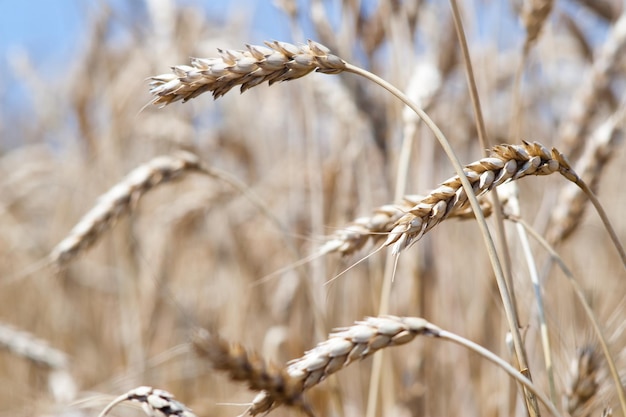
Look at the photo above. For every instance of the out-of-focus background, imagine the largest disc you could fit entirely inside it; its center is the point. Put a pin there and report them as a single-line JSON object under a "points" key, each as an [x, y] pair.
{"points": [[318, 152]]}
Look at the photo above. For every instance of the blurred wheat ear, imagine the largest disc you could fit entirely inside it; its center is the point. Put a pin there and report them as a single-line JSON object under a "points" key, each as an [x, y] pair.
{"points": [[119, 200]]}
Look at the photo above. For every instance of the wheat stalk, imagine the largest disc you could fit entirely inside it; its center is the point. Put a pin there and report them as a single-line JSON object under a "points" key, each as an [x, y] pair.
{"points": [[354, 236], [277, 61], [505, 163], [154, 402], [119, 200]]}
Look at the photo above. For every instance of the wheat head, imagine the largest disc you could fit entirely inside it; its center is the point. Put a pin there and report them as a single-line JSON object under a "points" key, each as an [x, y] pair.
{"points": [[277, 61], [505, 163], [583, 383], [381, 222], [120, 199]]}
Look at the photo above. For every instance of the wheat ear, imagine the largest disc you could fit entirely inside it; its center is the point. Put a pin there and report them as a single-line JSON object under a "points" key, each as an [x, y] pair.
{"points": [[154, 402], [583, 383], [119, 200], [534, 15], [354, 236], [31, 347], [572, 201], [251, 368], [277, 61], [505, 163], [586, 103], [364, 338]]}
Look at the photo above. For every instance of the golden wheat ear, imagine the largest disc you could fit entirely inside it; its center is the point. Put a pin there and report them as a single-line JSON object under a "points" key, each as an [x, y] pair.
{"points": [[351, 344], [275, 62], [505, 163]]}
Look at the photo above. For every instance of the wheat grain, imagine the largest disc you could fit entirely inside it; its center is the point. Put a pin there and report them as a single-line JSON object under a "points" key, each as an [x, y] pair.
{"points": [[353, 237], [505, 163], [120, 199], [277, 61], [154, 402]]}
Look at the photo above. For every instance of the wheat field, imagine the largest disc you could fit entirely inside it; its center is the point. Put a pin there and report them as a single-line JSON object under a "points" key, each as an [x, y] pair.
{"points": [[308, 247]]}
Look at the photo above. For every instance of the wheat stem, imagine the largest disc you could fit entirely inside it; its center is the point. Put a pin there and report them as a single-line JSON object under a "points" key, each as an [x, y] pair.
{"points": [[511, 196], [605, 220], [506, 284]]}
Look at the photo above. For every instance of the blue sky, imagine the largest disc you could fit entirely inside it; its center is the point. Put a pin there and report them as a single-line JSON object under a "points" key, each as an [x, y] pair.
{"points": [[49, 31]]}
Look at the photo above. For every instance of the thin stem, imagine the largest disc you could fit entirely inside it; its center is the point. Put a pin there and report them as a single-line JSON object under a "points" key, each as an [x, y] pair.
{"points": [[390, 264], [545, 339], [482, 137], [480, 218], [527, 383], [605, 220]]}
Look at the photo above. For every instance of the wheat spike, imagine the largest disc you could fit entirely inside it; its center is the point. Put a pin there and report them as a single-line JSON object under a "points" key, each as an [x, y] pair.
{"points": [[534, 15], [572, 201], [120, 199], [277, 61], [586, 104], [344, 346], [31, 347], [251, 368], [505, 163], [286, 386], [583, 384], [353, 237], [154, 402]]}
